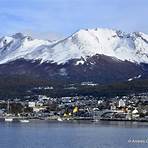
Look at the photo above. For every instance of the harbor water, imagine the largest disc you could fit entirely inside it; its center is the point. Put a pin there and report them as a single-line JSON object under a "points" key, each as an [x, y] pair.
{"points": [[47, 134]]}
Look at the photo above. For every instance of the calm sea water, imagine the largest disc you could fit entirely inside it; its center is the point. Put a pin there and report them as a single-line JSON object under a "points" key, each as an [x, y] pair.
{"points": [[73, 135]]}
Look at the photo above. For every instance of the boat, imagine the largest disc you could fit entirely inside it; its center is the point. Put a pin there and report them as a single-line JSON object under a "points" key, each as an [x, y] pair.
{"points": [[68, 119], [24, 121], [95, 120], [7, 119], [60, 119]]}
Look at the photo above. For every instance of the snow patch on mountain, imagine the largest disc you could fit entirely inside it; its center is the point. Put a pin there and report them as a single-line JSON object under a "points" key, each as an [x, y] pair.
{"points": [[80, 62], [137, 77]]}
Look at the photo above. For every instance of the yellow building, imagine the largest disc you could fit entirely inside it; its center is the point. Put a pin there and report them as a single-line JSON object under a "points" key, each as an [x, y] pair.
{"points": [[75, 110]]}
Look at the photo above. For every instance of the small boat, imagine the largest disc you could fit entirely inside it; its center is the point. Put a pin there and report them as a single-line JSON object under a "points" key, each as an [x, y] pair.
{"points": [[59, 119], [8, 119], [24, 121], [95, 120], [68, 119]]}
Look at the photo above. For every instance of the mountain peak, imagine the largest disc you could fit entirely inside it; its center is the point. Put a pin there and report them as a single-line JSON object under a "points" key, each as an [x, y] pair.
{"points": [[83, 43]]}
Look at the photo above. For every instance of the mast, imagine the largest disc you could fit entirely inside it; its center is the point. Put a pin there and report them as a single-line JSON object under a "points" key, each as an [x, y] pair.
{"points": [[8, 107]]}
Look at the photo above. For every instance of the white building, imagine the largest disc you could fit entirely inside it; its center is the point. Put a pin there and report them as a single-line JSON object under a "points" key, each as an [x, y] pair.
{"points": [[42, 97], [31, 104], [100, 101], [121, 103], [38, 109], [135, 113], [112, 106]]}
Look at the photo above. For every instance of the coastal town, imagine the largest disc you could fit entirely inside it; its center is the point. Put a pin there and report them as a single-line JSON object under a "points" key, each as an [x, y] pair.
{"points": [[133, 107]]}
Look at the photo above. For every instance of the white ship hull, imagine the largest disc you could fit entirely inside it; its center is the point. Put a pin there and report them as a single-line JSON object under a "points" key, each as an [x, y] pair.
{"points": [[24, 121], [59, 119], [8, 119]]}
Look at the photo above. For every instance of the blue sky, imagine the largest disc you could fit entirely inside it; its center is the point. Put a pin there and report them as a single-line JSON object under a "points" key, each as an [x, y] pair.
{"points": [[51, 18]]}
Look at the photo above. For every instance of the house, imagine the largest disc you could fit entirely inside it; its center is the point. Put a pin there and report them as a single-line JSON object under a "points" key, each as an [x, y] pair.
{"points": [[38, 109], [121, 103], [135, 113], [31, 104]]}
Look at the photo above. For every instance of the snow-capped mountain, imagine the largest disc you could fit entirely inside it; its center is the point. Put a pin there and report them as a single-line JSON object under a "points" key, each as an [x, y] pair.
{"points": [[89, 55], [80, 45]]}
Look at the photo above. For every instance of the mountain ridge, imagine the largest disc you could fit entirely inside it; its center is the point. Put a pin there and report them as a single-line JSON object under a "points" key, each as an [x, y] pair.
{"points": [[83, 43]]}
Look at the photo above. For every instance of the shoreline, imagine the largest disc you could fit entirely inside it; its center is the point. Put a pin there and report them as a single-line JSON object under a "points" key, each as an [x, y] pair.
{"points": [[77, 119]]}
